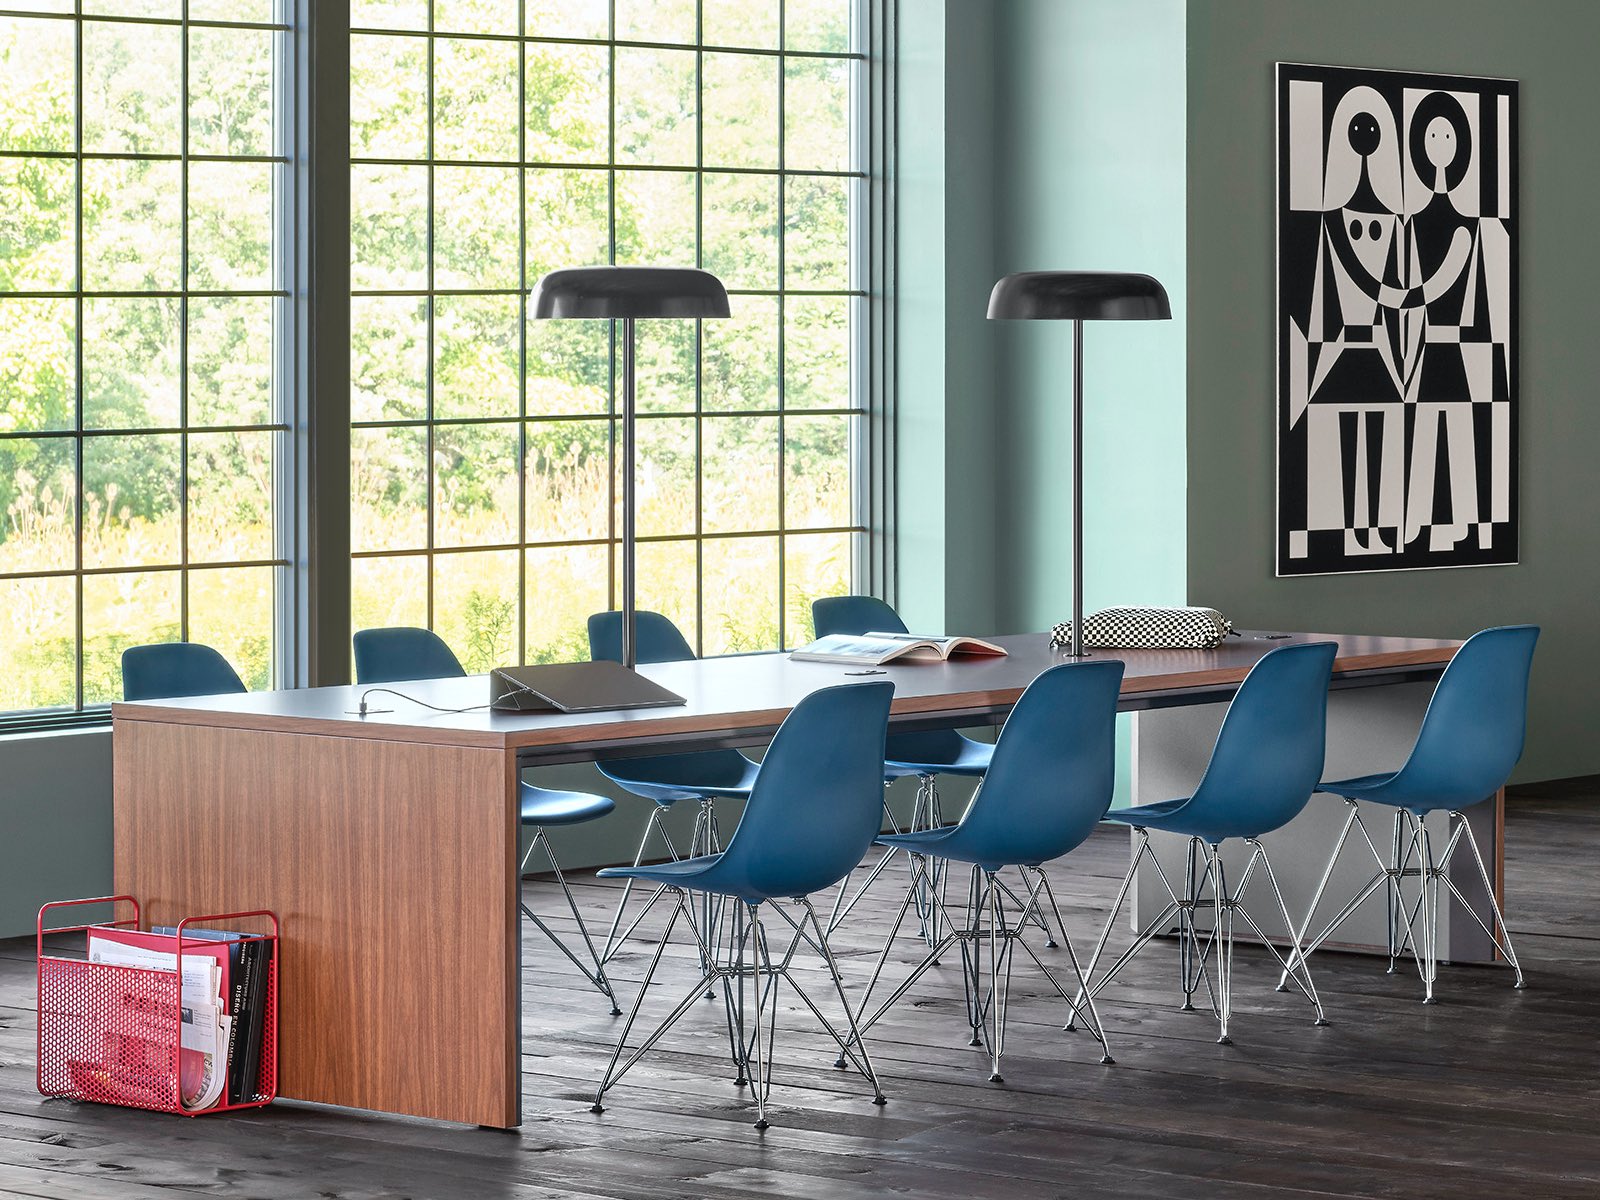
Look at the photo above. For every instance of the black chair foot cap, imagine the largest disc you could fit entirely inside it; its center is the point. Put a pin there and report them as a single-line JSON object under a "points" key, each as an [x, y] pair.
{"points": [[976, 1041], [1069, 1027], [1519, 985], [1106, 1060], [1186, 1007], [1052, 944], [1282, 987], [839, 1062], [880, 1101], [762, 1124], [615, 1011], [996, 1079], [1321, 1022], [597, 1107], [741, 1081], [1430, 999], [1224, 1040]]}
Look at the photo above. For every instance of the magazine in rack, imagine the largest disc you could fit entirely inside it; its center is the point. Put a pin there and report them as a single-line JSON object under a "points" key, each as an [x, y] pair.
{"points": [[877, 649]]}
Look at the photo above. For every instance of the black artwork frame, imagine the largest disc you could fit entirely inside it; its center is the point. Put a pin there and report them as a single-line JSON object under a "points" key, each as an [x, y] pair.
{"points": [[1397, 309]]}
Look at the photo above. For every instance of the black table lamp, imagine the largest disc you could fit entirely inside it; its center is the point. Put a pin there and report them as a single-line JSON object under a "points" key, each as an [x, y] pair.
{"points": [[1078, 296], [626, 294]]}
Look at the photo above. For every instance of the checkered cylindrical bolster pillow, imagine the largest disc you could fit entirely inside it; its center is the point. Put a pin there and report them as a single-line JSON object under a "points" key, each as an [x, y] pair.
{"points": [[1150, 628]]}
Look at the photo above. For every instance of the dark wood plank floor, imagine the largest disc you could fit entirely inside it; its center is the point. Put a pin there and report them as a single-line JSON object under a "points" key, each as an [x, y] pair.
{"points": [[1493, 1091]]}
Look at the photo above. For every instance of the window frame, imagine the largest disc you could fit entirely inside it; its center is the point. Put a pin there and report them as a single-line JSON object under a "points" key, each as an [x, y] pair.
{"points": [[312, 624], [284, 412], [864, 528]]}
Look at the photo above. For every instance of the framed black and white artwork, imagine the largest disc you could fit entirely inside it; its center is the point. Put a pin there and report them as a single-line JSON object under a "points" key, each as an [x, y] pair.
{"points": [[1397, 320]]}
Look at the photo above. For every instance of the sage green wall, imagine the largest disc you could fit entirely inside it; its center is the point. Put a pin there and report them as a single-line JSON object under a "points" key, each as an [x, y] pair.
{"points": [[1549, 45], [55, 822], [1090, 118], [1021, 146], [945, 423], [1090, 176]]}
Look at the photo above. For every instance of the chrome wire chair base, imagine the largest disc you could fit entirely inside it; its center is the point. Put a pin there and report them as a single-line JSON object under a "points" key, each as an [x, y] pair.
{"points": [[1413, 924], [925, 814], [744, 969], [996, 919], [596, 975], [704, 839], [1203, 953]]}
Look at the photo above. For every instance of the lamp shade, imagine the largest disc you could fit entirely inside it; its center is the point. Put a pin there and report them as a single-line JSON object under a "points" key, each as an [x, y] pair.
{"points": [[1078, 296], [600, 292]]}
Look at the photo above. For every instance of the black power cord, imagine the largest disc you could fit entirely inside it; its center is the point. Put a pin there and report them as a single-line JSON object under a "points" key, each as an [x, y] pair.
{"points": [[362, 710]]}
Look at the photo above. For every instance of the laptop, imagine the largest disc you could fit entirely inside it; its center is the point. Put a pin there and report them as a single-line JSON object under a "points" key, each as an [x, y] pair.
{"points": [[575, 688]]}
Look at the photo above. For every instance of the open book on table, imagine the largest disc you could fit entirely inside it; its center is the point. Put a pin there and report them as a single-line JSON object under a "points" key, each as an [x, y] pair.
{"points": [[876, 649]]}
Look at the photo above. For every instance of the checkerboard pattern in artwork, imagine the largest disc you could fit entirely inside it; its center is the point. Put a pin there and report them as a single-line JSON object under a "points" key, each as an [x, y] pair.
{"points": [[1148, 628]]}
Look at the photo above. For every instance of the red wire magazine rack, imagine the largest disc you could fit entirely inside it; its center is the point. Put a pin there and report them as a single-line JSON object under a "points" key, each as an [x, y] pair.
{"points": [[113, 1034]]}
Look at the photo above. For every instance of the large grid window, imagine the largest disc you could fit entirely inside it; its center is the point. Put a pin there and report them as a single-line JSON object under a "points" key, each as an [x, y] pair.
{"points": [[495, 140], [141, 159]]}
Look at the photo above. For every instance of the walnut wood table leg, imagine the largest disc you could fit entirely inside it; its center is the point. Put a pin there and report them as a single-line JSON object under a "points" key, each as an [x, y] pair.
{"points": [[392, 867]]}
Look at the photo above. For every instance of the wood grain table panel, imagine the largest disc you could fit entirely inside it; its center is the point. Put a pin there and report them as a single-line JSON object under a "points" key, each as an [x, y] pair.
{"points": [[392, 868]]}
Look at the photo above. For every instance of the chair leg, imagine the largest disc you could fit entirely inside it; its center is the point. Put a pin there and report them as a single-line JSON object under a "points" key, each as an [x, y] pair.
{"points": [[1504, 940], [1407, 916], [1084, 998], [971, 966], [597, 975], [1351, 816], [841, 909], [1430, 914], [1186, 930], [1224, 929], [1392, 892], [1295, 959], [761, 1075], [733, 990], [1096, 1025], [612, 1072], [708, 840], [1142, 854], [852, 1050], [925, 814], [614, 940], [929, 960], [1050, 895], [928, 815], [888, 942]]}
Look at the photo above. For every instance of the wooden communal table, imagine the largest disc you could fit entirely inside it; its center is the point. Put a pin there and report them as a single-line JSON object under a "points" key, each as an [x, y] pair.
{"points": [[388, 843]]}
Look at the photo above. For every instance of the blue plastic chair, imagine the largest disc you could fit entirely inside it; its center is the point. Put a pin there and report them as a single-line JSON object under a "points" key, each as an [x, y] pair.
{"points": [[701, 776], [173, 670], [812, 814], [405, 652], [926, 754], [1263, 769], [1471, 738], [1047, 789]]}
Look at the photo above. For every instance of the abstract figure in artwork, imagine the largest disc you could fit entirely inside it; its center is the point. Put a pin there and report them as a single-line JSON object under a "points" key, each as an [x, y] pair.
{"points": [[1395, 339]]}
